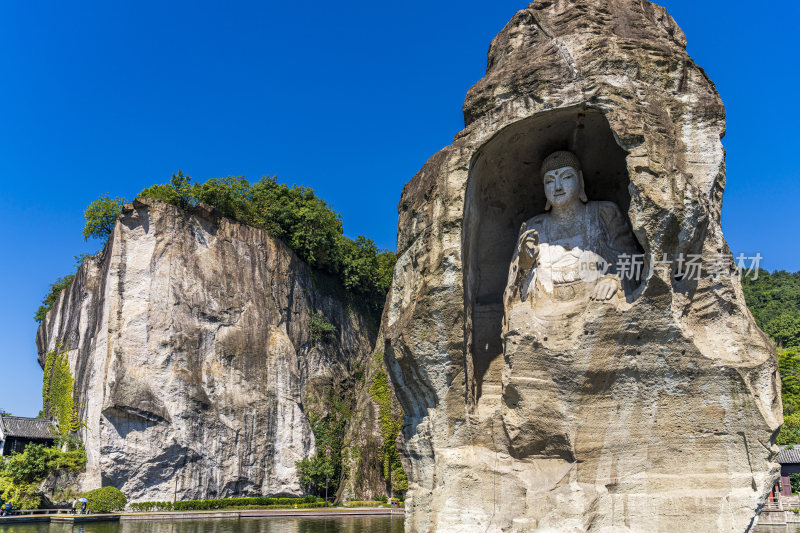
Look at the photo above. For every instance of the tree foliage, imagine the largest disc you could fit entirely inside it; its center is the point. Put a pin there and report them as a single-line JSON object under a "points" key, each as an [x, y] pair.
{"points": [[21, 473], [321, 329], [20, 495], [774, 300], [325, 466], [52, 295], [794, 481], [315, 472], [56, 289], [789, 367], [177, 192], [101, 215], [297, 216]]}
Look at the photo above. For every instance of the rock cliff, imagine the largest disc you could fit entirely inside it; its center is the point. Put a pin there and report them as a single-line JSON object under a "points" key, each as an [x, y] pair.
{"points": [[653, 413], [190, 340], [372, 443]]}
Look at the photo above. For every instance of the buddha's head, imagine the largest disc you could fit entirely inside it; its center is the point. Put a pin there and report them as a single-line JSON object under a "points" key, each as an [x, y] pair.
{"points": [[563, 180]]}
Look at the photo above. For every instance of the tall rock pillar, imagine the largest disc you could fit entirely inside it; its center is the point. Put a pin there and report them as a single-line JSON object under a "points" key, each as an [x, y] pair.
{"points": [[639, 398]]}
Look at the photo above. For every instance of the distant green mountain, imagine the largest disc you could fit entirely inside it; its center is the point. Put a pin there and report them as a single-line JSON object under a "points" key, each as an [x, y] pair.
{"points": [[774, 300]]}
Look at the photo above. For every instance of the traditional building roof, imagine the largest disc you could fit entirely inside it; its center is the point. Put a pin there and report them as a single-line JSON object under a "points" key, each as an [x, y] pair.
{"points": [[788, 456], [26, 428]]}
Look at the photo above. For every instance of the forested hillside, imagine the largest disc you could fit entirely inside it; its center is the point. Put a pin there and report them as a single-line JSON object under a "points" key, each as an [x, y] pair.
{"points": [[774, 300]]}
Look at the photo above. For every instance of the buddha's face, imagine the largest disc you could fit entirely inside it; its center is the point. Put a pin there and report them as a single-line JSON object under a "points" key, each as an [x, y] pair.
{"points": [[562, 187]]}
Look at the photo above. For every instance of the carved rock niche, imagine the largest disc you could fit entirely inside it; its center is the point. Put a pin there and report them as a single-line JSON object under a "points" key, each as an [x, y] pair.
{"points": [[505, 189]]}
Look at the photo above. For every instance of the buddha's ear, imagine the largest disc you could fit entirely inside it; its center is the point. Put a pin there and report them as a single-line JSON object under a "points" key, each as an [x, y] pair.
{"points": [[547, 206], [583, 197]]}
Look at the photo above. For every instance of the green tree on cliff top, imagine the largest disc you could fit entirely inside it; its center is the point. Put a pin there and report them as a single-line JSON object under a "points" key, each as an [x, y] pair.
{"points": [[101, 215], [298, 217], [295, 215], [52, 295]]}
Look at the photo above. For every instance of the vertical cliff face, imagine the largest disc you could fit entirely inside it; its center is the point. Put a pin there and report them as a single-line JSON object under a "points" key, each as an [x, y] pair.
{"points": [[372, 443], [654, 412], [190, 340]]}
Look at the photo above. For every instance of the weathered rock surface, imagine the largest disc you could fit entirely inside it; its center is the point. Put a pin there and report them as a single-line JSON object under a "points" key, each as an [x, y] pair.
{"points": [[655, 414], [189, 337], [372, 434]]}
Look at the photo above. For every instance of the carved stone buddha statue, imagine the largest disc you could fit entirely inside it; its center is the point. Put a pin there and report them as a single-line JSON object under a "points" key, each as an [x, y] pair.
{"points": [[568, 256], [563, 285]]}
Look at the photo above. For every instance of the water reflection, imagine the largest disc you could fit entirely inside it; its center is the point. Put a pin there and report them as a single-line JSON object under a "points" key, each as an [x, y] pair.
{"points": [[349, 524]]}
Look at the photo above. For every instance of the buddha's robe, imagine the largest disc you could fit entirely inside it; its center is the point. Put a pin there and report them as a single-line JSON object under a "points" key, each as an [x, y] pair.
{"points": [[549, 317], [572, 259]]}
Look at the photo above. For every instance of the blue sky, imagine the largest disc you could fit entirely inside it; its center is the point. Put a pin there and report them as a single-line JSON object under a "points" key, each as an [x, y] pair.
{"points": [[349, 98]]}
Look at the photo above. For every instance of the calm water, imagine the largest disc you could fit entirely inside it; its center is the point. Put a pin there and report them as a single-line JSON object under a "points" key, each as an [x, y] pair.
{"points": [[344, 524]]}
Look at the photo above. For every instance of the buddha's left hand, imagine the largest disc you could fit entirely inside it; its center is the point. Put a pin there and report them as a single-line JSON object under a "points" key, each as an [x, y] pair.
{"points": [[605, 289]]}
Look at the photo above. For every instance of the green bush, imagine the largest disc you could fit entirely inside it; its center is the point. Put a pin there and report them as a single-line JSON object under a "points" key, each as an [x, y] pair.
{"points": [[360, 503], [37, 461], [20, 495], [21, 473], [29, 466], [315, 472], [105, 500], [379, 501], [224, 503], [298, 505], [151, 506], [321, 328]]}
